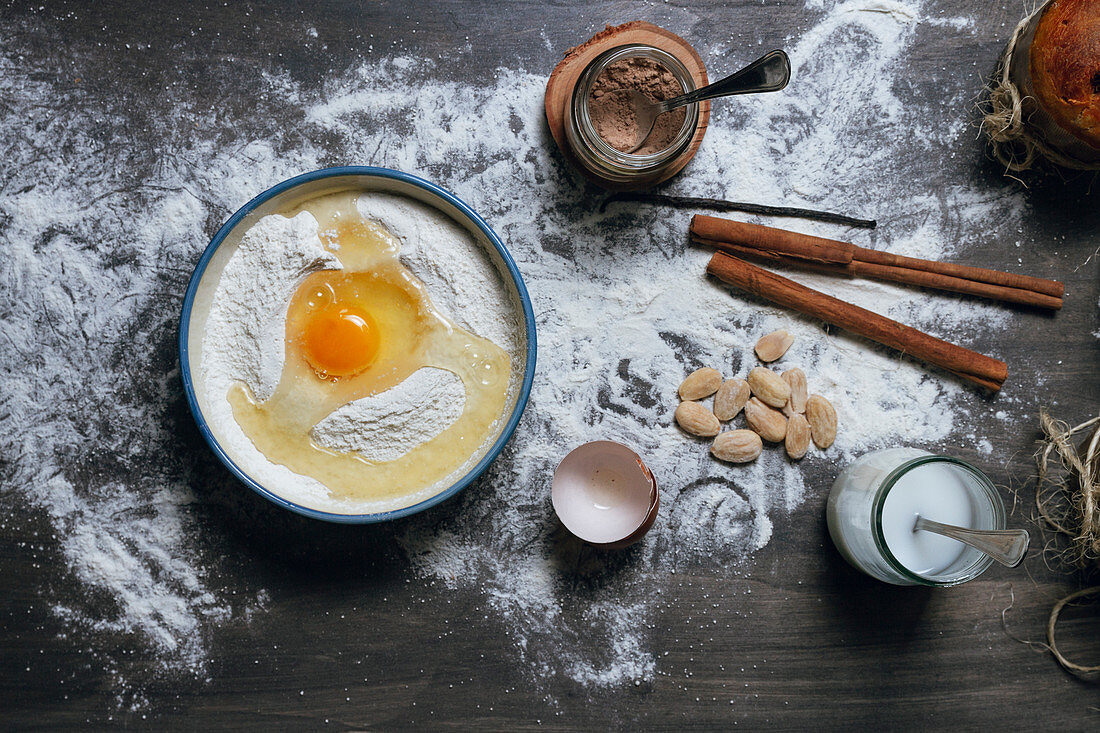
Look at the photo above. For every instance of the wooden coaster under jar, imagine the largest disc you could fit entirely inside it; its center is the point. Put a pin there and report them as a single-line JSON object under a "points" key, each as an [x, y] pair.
{"points": [[566, 106]]}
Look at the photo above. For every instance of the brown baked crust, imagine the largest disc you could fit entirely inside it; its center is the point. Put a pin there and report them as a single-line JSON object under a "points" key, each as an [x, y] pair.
{"points": [[1065, 66]]}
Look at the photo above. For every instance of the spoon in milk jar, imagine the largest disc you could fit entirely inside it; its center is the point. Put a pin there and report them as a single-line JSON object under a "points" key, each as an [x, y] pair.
{"points": [[769, 73], [1006, 546]]}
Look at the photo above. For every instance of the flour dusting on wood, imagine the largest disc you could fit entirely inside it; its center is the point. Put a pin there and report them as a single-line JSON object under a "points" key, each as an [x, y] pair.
{"points": [[98, 257]]}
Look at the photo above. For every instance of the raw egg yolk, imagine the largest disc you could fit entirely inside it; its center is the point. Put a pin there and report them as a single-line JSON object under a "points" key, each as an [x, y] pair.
{"points": [[340, 341]]}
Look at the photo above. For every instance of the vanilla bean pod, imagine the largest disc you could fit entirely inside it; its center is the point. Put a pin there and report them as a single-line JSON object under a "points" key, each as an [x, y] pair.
{"points": [[696, 202]]}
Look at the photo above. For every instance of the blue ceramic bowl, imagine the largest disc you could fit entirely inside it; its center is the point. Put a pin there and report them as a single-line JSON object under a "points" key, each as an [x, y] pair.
{"points": [[367, 178]]}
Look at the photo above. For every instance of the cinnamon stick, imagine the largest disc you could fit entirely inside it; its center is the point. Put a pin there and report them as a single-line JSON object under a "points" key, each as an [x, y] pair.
{"points": [[982, 370], [924, 278], [979, 274], [804, 246], [872, 271], [943, 275], [763, 255]]}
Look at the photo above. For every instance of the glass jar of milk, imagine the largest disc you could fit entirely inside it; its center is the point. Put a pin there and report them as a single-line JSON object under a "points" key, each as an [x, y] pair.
{"points": [[875, 502]]}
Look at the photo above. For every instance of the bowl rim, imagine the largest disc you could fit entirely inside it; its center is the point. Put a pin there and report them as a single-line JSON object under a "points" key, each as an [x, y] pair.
{"points": [[465, 210]]}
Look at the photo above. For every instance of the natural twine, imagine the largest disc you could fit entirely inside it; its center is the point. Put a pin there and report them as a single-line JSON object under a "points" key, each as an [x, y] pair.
{"points": [[1015, 144], [1053, 621], [1068, 499]]}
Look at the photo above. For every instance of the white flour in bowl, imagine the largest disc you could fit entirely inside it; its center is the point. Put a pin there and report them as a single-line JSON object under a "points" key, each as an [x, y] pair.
{"points": [[243, 341]]}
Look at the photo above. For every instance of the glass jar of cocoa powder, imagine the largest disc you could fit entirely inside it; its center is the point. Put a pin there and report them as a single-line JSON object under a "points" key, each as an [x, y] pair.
{"points": [[598, 122]]}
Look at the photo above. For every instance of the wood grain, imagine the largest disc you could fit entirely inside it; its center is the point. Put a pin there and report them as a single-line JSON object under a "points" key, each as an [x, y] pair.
{"points": [[351, 637]]}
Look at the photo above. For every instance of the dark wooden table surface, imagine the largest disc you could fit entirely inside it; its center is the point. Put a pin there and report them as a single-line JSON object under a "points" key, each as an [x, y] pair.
{"points": [[331, 626]]}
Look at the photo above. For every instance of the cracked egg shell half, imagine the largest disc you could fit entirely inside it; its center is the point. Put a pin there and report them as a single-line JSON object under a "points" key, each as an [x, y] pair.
{"points": [[605, 495]]}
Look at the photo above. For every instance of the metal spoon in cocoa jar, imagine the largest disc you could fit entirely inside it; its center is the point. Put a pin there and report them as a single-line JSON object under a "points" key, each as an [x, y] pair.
{"points": [[769, 73]]}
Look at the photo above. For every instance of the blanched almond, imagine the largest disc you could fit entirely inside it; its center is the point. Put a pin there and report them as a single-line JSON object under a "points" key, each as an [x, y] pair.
{"points": [[737, 446], [796, 380], [697, 419], [797, 441], [700, 383], [769, 424], [769, 387], [822, 418], [774, 345], [731, 397]]}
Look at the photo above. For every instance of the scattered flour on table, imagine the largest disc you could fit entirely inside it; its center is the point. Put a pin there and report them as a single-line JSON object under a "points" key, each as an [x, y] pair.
{"points": [[623, 314], [622, 309]]}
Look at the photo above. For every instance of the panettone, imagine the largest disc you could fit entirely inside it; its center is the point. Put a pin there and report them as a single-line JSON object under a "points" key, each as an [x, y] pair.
{"points": [[1065, 67]]}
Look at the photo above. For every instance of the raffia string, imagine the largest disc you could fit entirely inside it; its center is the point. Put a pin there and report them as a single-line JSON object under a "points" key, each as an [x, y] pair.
{"points": [[1075, 483], [1068, 499], [1053, 621]]}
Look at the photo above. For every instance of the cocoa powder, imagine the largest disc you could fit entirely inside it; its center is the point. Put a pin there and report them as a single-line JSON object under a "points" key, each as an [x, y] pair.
{"points": [[613, 114]]}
